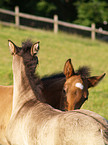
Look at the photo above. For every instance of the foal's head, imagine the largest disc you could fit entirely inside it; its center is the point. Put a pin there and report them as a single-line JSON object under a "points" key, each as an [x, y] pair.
{"points": [[76, 86]]}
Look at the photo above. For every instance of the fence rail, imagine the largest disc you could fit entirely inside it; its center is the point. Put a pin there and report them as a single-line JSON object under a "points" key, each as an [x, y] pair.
{"points": [[54, 21]]}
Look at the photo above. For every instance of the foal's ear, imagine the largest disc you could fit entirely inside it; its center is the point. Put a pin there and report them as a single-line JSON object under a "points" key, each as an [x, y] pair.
{"points": [[68, 69], [35, 48], [12, 47], [93, 81]]}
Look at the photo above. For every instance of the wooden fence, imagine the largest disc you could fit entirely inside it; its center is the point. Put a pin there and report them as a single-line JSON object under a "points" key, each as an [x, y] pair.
{"points": [[54, 21]]}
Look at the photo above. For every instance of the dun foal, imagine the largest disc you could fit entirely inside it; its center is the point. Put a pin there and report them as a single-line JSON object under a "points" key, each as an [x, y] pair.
{"points": [[33, 122]]}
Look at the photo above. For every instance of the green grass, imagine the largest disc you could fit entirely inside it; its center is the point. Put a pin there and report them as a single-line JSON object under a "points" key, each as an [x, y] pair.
{"points": [[55, 49]]}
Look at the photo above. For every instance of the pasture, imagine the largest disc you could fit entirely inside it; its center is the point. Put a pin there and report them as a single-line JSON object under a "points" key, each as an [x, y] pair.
{"points": [[55, 49]]}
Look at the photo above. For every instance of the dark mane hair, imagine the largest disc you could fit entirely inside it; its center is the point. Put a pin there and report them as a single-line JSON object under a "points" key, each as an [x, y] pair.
{"points": [[31, 63], [84, 71], [53, 76], [27, 44]]}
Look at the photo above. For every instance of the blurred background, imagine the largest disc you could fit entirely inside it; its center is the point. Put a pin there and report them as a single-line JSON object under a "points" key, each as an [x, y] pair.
{"points": [[83, 12], [74, 17]]}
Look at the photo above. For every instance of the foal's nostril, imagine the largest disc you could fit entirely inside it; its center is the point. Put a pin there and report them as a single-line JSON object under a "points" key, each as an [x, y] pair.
{"points": [[86, 97]]}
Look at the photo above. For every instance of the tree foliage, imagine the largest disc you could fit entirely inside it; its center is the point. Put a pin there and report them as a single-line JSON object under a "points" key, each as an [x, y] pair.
{"points": [[91, 12], [82, 12], [45, 8]]}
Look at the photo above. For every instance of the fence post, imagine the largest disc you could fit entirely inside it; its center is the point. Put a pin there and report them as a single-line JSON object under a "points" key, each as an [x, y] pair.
{"points": [[55, 24], [17, 22], [93, 31]]}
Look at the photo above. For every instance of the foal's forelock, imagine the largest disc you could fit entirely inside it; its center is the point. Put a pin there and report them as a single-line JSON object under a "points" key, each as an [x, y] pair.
{"points": [[84, 71], [27, 44]]}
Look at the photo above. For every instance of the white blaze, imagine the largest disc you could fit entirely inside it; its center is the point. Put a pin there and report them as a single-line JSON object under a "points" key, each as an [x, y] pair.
{"points": [[79, 85]]}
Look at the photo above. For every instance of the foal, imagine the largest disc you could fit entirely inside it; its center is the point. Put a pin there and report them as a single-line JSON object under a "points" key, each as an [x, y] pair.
{"points": [[76, 86], [33, 122]]}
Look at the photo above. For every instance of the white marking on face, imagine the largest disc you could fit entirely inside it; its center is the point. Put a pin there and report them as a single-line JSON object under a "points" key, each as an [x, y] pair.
{"points": [[79, 85]]}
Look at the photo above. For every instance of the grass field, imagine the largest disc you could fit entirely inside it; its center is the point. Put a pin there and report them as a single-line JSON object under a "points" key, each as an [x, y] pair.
{"points": [[55, 49]]}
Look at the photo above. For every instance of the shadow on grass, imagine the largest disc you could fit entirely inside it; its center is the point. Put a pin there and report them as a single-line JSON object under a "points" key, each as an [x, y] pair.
{"points": [[7, 78]]}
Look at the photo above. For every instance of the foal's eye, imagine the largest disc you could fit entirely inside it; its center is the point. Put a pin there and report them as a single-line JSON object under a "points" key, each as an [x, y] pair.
{"points": [[64, 90]]}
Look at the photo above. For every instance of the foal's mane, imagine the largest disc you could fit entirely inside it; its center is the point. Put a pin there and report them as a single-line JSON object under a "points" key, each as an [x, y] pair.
{"points": [[33, 78]]}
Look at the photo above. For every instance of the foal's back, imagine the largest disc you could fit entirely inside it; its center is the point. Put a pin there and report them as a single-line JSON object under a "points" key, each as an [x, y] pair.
{"points": [[42, 125]]}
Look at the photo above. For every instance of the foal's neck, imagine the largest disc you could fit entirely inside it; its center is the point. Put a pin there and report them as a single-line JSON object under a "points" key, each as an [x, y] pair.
{"points": [[22, 88]]}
